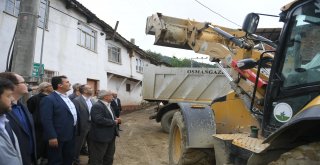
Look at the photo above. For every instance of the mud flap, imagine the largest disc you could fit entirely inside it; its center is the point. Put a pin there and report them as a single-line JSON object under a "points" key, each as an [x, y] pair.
{"points": [[200, 125]]}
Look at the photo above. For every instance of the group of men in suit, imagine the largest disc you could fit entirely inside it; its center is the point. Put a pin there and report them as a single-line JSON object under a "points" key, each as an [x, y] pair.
{"points": [[64, 123], [89, 121]]}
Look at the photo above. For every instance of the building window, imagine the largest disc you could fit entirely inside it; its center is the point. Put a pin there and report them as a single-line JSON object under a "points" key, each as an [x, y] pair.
{"points": [[48, 74], [86, 37], [139, 65], [114, 54], [13, 7], [128, 87]]}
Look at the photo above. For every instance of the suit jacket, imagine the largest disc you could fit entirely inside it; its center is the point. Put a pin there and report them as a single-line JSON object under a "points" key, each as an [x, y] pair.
{"points": [[103, 126], [33, 104], [23, 136], [10, 153], [83, 110], [116, 106], [56, 118], [72, 96]]}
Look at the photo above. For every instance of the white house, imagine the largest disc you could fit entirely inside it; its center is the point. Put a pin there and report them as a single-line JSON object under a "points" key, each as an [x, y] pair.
{"points": [[81, 46]]}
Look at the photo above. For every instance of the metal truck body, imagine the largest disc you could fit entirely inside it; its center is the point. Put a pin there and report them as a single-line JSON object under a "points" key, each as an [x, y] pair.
{"points": [[184, 84], [173, 85]]}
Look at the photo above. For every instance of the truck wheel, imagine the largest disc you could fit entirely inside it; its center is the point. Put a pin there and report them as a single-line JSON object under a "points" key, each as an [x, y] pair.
{"points": [[178, 153], [308, 154], [166, 120]]}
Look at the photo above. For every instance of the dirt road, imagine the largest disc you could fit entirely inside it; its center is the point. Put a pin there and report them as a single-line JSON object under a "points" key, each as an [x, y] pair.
{"points": [[142, 142]]}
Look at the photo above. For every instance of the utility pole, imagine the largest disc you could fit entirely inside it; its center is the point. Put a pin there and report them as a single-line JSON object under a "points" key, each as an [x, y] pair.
{"points": [[25, 39], [197, 58]]}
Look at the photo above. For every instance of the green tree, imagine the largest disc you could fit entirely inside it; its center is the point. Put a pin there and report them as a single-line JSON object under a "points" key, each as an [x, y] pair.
{"points": [[176, 62], [155, 55]]}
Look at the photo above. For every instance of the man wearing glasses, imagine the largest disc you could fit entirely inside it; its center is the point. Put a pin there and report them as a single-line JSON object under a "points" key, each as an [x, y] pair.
{"points": [[20, 119]]}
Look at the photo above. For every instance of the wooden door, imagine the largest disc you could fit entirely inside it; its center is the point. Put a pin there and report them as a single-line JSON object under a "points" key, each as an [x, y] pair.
{"points": [[94, 86]]}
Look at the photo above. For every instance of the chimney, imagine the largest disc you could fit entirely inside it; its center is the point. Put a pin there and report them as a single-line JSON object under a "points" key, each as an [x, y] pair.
{"points": [[132, 40]]}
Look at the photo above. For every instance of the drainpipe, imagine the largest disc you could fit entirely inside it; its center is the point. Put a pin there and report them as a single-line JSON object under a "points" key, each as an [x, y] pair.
{"points": [[42, 42]]}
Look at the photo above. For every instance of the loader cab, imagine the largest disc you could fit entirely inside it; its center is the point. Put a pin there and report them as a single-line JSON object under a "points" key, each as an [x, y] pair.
{"points": [[295, 77], [295, 74]]}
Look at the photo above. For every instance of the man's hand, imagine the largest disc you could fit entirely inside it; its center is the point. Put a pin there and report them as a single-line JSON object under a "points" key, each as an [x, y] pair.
{"points": [[118, 121], [53, 143]]}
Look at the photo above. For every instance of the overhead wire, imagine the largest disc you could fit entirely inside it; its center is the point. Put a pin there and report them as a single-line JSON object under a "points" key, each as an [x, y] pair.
{"points": [[216, 13], [10, 52]]}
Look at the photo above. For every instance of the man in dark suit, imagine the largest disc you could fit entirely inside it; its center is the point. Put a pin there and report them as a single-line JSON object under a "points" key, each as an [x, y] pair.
{"points": [[20, 119], [103, 130], [83, 104], [59, 121], [33, 104], [73, 95], [116, 106]]}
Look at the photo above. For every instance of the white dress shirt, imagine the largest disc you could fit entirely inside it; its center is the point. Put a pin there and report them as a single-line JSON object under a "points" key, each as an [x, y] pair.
{"points": [[71, 106], [109, 108], [3, 120], [89, 104], [116, 101]]}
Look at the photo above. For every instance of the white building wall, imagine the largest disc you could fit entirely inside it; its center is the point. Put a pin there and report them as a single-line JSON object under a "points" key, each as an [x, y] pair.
{"points": [[7, 27], [62, 54], [127, 69], [123, 68], [138, 75], [132, 97]]}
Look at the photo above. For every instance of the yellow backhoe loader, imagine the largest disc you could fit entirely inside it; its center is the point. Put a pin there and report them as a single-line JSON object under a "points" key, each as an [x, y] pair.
{"points": [[272, 116]]}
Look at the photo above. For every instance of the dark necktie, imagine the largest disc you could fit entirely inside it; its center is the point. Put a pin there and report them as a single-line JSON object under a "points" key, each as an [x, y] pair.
{"points": [[9, 131]]}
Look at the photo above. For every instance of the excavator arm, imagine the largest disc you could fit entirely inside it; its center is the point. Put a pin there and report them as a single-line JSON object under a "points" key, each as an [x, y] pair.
{"points": [[220, 43]]}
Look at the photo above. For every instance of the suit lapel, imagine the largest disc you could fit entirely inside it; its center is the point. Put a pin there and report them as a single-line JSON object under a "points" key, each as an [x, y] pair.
{"points": [[83, 102], [7, 139], [60, 100], [118, 102], [107, 109], [15, 120], [27, 117]]}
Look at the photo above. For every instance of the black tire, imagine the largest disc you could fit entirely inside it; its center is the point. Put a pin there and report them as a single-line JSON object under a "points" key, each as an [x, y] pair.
{"points": [[178, 153], [166, 120], [308, 154]]}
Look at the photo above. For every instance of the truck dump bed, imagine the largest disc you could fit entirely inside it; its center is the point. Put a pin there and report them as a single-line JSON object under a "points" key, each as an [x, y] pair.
{"points": [[200, 85]]}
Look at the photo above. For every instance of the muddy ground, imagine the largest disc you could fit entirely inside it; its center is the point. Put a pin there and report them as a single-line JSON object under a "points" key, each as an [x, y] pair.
{"points": [[142, 142]]}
